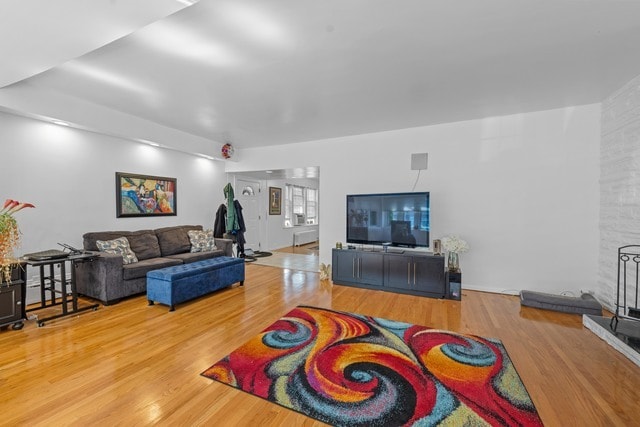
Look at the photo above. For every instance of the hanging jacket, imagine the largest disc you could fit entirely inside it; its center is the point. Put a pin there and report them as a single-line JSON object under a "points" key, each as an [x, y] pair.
{"points": [[240, 240], [238, 207], [232, 219], [220, 224]]}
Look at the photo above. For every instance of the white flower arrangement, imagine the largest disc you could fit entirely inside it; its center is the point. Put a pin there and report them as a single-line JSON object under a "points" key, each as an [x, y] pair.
{"points": [[454, 244]]}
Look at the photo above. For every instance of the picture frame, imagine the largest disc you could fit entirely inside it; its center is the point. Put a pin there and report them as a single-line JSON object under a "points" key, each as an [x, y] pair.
{"points": [[145, 195], [275, 201]]}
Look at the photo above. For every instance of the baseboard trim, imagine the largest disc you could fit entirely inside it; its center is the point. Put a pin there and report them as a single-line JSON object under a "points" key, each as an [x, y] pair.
{"points": [[491, 290]]}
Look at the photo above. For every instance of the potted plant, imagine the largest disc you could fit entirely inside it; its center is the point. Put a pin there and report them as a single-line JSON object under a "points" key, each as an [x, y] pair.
{"points": [[9, 237]]}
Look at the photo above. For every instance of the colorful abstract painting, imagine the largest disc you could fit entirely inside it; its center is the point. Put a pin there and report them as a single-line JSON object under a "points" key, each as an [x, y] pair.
{"points": [[346, 369], [143, 195]]}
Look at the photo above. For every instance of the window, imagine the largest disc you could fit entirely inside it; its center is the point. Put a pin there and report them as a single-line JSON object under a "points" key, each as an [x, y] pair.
{"points": [[300, 205], [287, 206], [297, 198], [312, 206]]}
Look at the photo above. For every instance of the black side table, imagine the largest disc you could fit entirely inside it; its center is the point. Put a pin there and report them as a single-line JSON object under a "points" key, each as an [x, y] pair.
{"points": [[68, 294], [12, 298], [454, 285]]}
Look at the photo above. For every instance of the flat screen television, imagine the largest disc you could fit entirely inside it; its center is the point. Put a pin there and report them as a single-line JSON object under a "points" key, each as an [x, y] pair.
{"points": [[401, 219]]}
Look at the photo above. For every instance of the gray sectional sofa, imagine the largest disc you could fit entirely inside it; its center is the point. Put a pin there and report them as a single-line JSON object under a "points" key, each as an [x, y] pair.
{"points": [[109, 280]]}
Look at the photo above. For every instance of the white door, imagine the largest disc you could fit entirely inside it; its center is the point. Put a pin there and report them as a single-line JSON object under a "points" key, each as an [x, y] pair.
{"points": [[248, 194]]}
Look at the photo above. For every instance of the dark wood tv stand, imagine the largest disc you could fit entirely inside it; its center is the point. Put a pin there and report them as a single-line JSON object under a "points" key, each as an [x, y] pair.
{"points": [[408, 272]]}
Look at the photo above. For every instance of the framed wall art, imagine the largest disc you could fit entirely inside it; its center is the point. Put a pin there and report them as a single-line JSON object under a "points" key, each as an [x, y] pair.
{"points": [[275, 201], [145, 195]]}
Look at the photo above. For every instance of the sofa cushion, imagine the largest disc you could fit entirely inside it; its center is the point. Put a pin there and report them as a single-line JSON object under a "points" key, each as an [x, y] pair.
{"points": [[145, 244], [201, 240], [90, 239], [119, 246], [175, 240], [140, 269], [189, 257]]}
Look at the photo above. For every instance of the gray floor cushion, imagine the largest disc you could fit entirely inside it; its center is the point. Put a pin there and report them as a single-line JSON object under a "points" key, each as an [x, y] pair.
{"points": [[584, 304]]}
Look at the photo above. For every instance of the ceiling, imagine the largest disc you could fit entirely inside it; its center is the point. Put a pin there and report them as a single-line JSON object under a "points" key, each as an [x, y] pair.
{"points": [[258, 73]]}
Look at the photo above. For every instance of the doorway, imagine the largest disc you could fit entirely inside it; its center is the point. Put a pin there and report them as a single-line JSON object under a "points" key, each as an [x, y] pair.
{"points": [[271, 231], [248, 194]]}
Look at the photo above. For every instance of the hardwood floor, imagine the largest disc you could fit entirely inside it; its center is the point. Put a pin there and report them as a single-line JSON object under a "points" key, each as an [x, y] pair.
{"points": [[308, 249], [134, 364]]}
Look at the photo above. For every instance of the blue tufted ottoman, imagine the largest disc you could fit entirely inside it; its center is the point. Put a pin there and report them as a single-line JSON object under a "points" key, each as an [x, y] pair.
{"points": [[173, 285]]}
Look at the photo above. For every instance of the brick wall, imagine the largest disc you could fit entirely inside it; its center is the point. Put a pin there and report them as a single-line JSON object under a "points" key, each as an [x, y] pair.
{"points": [[619, 185]]}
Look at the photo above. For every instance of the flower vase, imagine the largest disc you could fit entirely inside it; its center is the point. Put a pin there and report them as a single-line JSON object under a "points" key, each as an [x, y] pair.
{"points": [[453, 262]]}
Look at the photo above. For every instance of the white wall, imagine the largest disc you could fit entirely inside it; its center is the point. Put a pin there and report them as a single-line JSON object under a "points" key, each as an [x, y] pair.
{"points": [[521, 189], [619, 185], [69, 175]]}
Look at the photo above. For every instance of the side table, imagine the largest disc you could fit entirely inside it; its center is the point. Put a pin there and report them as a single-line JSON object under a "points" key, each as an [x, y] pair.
{"points": [[12, 298], [454, 285], [68, 295]]}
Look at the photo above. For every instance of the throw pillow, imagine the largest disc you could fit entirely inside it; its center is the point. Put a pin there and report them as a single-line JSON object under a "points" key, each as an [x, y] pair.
{"points": [[201, 240], [119, 246]]}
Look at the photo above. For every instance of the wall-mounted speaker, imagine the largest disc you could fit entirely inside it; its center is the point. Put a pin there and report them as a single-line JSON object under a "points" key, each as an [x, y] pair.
{"points": [[419, 161]]}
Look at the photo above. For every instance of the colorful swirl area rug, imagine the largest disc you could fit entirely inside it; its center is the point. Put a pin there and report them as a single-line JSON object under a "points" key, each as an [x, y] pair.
{"points": [[346, 369]]}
